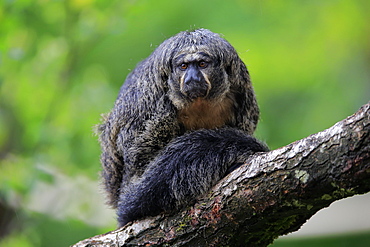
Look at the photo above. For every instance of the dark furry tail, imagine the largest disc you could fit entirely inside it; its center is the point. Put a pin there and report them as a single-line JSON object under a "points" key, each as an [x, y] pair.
{"points": [[188, 167]]}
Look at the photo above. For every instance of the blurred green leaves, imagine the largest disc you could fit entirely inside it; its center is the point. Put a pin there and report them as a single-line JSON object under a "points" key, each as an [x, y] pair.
{"points": [[63, 62]]}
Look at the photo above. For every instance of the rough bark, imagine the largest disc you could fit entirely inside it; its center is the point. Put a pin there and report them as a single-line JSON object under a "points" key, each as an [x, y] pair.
{"points": [[273, 194]]}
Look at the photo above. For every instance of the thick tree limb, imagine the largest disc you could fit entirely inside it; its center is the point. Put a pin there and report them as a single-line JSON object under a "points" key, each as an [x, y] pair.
{"points": [[272, 194]]}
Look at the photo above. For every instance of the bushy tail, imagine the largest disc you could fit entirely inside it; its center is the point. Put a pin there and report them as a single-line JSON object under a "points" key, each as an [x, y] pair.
{"points": [[187, 168]]}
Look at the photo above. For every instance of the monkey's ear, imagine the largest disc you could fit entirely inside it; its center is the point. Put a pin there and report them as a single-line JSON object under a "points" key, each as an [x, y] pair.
{"points": [[229, 70], [164, 77], [237, 72], [165, 69], [160, 68]]}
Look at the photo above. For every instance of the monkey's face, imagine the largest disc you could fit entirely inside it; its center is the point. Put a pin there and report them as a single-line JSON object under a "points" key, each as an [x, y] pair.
{"points": [[196, 76]]}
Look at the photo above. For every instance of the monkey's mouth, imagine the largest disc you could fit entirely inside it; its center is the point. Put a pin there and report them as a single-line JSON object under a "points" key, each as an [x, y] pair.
{"points": [[198, 94], [195, 92]]}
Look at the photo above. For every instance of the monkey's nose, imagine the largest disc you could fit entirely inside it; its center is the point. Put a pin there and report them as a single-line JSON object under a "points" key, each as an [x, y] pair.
{"points": [[192, 78], [194, 84]]}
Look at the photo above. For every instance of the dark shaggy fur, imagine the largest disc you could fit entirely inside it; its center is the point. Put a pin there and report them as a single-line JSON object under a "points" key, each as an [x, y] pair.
{"points": [[182, 120]]}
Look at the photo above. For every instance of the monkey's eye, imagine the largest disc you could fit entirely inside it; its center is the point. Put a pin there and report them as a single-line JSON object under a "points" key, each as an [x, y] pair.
{"points": [[202, 64], [183, 66]]}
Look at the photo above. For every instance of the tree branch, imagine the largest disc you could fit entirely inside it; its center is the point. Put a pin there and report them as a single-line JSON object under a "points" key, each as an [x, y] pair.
{"points": [[273, 194]]}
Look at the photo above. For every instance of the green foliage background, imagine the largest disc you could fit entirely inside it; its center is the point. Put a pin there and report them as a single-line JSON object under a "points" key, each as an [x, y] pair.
{"points": [[63, 62]]}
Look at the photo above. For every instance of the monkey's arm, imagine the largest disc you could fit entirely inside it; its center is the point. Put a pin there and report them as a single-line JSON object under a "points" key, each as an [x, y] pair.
{"points": [[187, 168], [132, 135]]}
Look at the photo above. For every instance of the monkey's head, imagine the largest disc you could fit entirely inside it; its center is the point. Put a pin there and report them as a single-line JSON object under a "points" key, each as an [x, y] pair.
{"points": [[192, 75], [206, 81], [200, 65]]}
